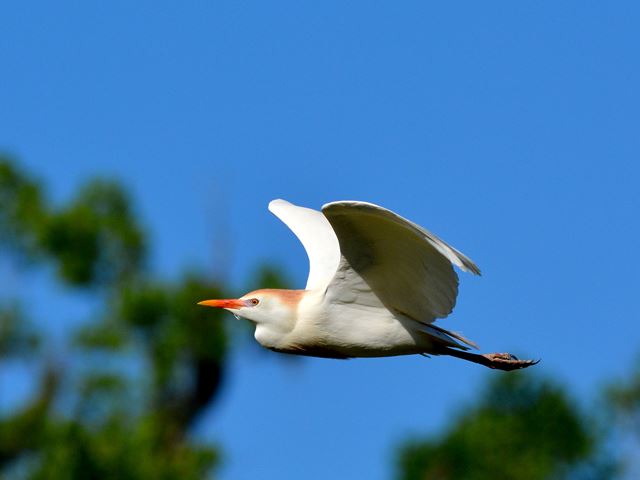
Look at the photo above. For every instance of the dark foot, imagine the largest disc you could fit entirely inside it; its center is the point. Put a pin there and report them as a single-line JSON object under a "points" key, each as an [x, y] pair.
{"points": [[506, 361]]}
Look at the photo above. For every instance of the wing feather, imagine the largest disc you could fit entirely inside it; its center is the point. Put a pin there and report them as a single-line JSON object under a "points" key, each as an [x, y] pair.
{"points": [[394, 262], [316, 235]]}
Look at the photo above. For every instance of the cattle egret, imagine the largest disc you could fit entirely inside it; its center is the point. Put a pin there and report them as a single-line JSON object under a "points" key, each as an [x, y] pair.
{"points": [[377, 282]]}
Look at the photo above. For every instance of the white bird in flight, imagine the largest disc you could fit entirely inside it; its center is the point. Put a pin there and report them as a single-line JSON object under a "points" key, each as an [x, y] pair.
{"points": [[377, 283]]}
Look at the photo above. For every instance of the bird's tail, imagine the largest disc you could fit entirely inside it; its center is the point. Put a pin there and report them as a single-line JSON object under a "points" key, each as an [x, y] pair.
{"points": [[448, 337]]}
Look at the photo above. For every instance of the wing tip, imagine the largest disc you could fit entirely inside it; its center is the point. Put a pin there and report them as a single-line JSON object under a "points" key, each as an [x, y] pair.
{"points": [[469, 266], [463, 262], [277, 202]]}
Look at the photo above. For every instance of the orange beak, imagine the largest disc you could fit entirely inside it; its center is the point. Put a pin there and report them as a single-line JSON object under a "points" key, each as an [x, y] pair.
{"points": [[228, 303]]}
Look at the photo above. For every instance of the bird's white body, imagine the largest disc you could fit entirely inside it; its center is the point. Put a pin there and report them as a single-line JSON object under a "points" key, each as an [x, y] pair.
{"points": [[377, 283], [325, 329]]}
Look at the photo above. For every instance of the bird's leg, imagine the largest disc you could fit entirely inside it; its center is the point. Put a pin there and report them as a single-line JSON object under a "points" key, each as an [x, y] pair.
{"points": [[499, 361]]}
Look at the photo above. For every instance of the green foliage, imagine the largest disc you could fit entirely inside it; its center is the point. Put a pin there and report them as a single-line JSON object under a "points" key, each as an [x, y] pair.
{"points": [[24, 431], [522, 428], [117, 423], [118, 450], [102, 336], [143, 306], [624, 399], [622, 405], [21, 210], [269, 277], [95, 239], [16, 336]]}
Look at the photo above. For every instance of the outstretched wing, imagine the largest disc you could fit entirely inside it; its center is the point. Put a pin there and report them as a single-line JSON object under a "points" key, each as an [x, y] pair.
{"points": [[389, 260], [316, 235]]}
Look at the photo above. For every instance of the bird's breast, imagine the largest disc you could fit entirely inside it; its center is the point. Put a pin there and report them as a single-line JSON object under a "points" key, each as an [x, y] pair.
{"points": [[342, 331]]}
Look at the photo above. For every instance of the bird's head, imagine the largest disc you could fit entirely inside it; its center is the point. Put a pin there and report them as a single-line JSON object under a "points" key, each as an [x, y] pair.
{"points": [[267, 306]]}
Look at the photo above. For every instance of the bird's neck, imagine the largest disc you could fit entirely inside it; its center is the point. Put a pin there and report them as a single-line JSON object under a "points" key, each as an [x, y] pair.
{"points": [[282, 317]]}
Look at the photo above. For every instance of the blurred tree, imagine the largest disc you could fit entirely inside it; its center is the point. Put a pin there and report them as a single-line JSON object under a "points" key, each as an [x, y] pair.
{"points": [[148, 365], [622, 399], [522, 428]]}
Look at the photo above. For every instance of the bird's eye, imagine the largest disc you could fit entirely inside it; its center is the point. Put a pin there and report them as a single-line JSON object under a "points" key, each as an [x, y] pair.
{"points": [[254, 301]]}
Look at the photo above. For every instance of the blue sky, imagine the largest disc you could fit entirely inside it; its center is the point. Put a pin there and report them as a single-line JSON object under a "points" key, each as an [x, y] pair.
{"points": [[510, 129]]}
